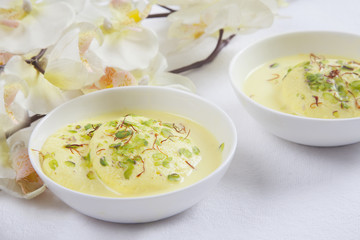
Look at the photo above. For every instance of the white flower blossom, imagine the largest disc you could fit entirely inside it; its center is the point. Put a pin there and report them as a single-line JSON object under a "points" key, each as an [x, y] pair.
{"points": [[157, 75], [196, 20], [28, 25], [35, 93], [127, 44]]}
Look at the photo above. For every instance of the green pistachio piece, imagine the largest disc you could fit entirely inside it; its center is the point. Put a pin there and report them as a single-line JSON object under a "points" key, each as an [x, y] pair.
{"points": [[139, 142], [158, 156], [166, 162], [196, 150], [123, 134], [174, 177], [347, 67], [165, 132], [69, 163], [342, 91], [148, 123], [129, 170], [221, 147], [113, 123], [169, 125], [355, 85], [53, 164], [103, 161], [87, 161], [329, 97], [91, 175], [185, 152], [274, 65], [86, 137], [72, 131], [115, 145], [158, 163], [88, 126]]}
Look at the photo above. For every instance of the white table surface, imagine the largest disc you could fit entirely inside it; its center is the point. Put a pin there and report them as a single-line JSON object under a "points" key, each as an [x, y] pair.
{"points": [[274, 189]]}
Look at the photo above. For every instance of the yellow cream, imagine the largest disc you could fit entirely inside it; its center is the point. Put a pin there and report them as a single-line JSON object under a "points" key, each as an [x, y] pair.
{"points": [[129, 155], [307, 85]]}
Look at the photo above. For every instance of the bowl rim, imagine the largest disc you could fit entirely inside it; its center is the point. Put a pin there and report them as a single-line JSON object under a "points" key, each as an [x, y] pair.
{"points": [[239, 90], [224, 164]]}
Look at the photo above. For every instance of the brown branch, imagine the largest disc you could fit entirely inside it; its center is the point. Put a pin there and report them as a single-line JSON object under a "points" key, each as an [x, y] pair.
{"points": [[25, 124], [159, 15], [35, 61], [221, 43]]}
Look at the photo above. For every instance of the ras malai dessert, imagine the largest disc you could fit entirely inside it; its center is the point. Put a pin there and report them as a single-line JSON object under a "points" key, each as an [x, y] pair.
{"points": [[308, 85], [132, 155]]}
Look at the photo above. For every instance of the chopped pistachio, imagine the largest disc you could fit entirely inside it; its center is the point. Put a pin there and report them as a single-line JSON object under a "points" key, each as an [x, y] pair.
{"points": [[221, 147], [86, 137], [69, 163], [113, 123], [174, 177], [115, 145], [185, 152], [53, 164], [169, 125], [274, 65], [329, 97], [87, 161], [166, 162], [165, 132], [129, 169], [355, 84], [88, 126], [91, 175], [103, 161], [123, 134], [148, 123], [196, 150], [158, 156]]}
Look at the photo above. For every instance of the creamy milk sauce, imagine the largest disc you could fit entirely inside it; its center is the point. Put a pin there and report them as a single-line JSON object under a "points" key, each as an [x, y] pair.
{"points": [[307, 85], [132, 157]]}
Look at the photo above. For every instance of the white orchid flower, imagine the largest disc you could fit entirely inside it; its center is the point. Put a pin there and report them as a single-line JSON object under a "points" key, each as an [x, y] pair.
{"points": [[113, 77], [70, 63], [27, 25], [127, 44], [196, 20], [157, 75], [34, 92], [11, 112], [17, 176]]}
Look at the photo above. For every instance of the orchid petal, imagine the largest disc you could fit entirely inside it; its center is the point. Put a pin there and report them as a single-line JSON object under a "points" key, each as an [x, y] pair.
{"points": [[40, 28], [18, 178], [128, 49], [174, 81], [40, 95], [69, 75]]}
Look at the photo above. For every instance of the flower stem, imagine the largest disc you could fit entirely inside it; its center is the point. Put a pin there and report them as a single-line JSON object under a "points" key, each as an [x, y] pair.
{"points": [[159, 15], [221, 43], [35, 61]]}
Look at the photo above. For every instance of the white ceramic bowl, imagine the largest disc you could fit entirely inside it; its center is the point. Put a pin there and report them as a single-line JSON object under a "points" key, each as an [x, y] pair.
{"points": [[138, 209], [303, 130]]}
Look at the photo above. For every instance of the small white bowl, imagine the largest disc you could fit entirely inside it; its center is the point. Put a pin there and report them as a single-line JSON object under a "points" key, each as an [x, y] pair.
{"points": [[303, 130], [137, 209]]}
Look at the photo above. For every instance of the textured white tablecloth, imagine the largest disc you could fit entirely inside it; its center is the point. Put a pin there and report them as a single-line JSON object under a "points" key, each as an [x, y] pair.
{"points": [[273, 190]]}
